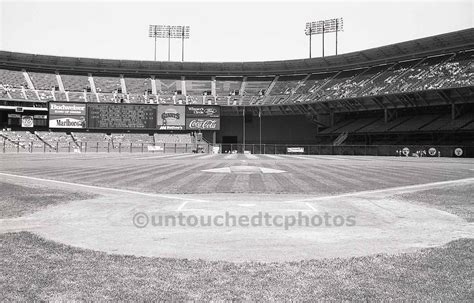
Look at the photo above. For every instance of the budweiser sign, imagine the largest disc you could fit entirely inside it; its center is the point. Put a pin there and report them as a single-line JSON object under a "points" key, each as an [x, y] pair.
{"points": [[195, 124]]}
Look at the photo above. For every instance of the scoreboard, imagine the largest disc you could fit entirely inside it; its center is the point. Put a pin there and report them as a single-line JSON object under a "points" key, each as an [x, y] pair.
{"points": [[121, 116]]}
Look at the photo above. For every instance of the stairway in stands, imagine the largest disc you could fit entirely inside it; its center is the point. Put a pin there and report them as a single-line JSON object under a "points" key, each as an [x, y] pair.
{"points": [[340, 139]]}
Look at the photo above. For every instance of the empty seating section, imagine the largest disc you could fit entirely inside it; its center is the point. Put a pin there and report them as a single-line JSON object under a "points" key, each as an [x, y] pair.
{"points": [[31, 94], [11, 78], [75, 83], [137, 98], [46, 95], [43, 81], [132, 138], [310, 90], [60, 96], [365, 80], [168, 86], [21, 136], [138, 85], [438, 123], [16, 93], [91, 97], [286, 84], [373, 127], [387, 82], [455, 72], [414, 123], [445, 71], [76, 96], [460, 122], [166, 99], [198, 86], [194, 100], [469, 126], [107, 84], [53, 137], [424, 123], [340, 86], [114, 98], [257, 85], [336, 126], [228, 86], [412, 77], [355, 125], [91, 137]]}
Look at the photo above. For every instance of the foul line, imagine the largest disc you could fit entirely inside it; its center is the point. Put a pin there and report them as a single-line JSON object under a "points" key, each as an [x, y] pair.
{"points": [[104, 188], [180, 208], [387, 190], [311, 206]]}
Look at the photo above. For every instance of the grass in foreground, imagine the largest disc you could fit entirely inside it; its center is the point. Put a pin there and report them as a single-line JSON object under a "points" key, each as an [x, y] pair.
{"points": [[19, 200], [453, 199], [36, 269]]}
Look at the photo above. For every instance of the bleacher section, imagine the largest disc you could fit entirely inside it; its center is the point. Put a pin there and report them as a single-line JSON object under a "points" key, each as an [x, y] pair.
{"points": [[438, 72], [107, 84], [75, 83], [168, 86], [257, 85], [286, 84], [12, 78], [138, 86], [43, 81]]}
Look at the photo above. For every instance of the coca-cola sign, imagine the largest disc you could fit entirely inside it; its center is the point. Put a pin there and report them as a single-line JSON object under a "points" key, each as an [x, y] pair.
{"points": [[202, 124], [202, 111]]}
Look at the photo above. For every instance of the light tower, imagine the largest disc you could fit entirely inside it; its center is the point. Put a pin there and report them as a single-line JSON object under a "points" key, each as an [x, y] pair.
{"points": [[169, 31], [324, 26]]}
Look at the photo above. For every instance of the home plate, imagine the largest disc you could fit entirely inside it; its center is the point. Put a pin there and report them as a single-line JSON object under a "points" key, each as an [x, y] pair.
{"points": [[244, 169]]}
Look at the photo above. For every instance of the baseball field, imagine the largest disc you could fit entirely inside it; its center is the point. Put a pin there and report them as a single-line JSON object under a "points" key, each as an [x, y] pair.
{"points": [[235, 227]]}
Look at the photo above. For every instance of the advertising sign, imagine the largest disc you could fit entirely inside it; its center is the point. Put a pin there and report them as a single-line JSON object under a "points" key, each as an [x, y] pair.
{"points": [[27, 121], [171, 117], [67, 122], [203, 111], [295, 149], [68, 109], [202, 123], [67, 115]]}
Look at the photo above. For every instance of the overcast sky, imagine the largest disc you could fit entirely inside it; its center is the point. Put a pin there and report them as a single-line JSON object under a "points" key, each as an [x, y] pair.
{"points": [[220, 30]]}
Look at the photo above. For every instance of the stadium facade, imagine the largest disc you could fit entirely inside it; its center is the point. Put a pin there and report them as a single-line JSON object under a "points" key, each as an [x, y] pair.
{"points": [[417, 93]]}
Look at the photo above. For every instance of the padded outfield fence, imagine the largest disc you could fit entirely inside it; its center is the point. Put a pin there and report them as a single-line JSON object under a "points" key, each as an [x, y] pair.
{"points": [[8, 146]]}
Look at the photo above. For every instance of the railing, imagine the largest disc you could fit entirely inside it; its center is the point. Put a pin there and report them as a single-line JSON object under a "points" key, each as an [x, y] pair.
{"points": [[355, 150], [303, 149], [102, 147]]}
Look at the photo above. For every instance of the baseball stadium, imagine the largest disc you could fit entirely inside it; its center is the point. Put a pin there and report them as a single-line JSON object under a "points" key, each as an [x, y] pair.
{"points": [[339, 178]]}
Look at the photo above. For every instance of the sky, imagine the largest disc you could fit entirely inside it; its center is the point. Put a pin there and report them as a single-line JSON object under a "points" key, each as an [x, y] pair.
{"points": [[221, 31]]}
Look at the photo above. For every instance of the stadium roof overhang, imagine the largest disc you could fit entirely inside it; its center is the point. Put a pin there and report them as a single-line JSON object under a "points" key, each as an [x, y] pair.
{"points": [[425, 47]]}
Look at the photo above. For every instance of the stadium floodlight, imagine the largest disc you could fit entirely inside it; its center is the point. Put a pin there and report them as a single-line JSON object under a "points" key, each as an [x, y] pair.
{"points": [[324, 26], [169, 31]]}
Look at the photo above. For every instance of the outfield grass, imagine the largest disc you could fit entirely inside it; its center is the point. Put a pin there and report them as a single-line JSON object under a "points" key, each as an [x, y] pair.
{"points": [[18, 200], [36, 269]]}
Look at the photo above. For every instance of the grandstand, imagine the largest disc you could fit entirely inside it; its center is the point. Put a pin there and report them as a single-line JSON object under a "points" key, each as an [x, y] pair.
{"points": [[422, 87]]}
